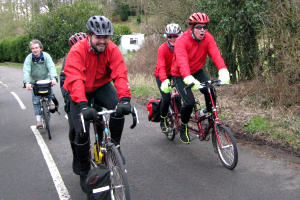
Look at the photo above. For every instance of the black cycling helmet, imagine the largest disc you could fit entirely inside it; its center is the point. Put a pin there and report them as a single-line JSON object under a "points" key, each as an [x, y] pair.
{"points": [[99, 25]]}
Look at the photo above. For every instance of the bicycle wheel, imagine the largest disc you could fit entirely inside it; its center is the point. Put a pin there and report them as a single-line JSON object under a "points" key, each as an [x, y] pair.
{"points": [[119, 182], [171, 121], [225, 145], [46, 118]]}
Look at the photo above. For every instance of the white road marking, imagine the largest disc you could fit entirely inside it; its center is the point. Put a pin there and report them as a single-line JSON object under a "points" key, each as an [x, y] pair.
{"points": [[66, 116], [57, 179], [5, 85], [23, 107]]}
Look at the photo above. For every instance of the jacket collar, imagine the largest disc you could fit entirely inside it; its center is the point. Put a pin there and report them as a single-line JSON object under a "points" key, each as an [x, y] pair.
{"points": [[38, 59], [170, 46]]}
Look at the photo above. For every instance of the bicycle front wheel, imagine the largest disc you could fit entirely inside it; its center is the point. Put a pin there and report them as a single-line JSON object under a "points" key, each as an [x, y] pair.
{"points": [[119, 182], [225, 145], [46, 118]]}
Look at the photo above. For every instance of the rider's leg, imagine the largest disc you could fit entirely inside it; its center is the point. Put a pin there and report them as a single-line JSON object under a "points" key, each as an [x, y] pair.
{"points": [[37, 110], [75, 163], [106, 96], [50, 101], [81, 144], [202, 77], [164, 107], [186, 109]]}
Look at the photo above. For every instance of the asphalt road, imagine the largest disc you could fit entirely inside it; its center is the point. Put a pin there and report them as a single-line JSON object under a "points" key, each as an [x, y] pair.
{"points": [[34, 167]]}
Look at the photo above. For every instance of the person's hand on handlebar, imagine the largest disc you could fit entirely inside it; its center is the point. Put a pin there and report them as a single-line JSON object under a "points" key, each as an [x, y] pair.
{"points": [[190, 79], [224, 76], [54, 82], [124, 106], [165, 86], [28, 86], [87, 112]]}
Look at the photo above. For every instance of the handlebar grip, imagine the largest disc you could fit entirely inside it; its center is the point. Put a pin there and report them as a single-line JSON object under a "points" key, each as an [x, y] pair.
{"points": [[134, 117]]}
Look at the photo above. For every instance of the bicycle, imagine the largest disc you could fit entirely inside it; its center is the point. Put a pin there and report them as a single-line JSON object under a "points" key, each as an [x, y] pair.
{"points": [[106, 152], [42, 88], [201, 124]]}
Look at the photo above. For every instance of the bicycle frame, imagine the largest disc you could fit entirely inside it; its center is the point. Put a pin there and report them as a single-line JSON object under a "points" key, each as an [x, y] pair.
{"points": [[102, 121], [213, 118], [113, 158], [200, 125]]}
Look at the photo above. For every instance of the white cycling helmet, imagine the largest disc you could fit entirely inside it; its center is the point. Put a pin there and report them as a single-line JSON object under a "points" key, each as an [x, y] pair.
{"points": [[173, 29]]}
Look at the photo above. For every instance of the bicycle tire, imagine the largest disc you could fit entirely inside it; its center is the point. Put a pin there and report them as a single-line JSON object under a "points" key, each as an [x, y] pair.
{"points": [[119, 181], [227, 152], [46, 118], [171, 122]]}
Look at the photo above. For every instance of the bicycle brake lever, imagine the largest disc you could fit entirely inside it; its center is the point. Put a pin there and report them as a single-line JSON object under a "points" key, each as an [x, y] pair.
{"points": [[135, 119], [82, 122], [188, 86]]}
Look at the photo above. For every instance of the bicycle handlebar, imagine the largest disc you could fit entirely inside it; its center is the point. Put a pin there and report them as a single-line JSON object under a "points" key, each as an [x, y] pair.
{"points": [[107, 112], [205, 84]]}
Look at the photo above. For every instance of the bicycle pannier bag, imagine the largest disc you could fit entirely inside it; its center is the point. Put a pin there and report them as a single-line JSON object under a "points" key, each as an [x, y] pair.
{"points": [[42, 88], [98, 183], [153, 110]]}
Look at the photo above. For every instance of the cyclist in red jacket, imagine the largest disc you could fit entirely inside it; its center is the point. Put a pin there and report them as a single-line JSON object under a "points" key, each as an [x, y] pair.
{"points": [[191, 50], [91, 66], [163, 70]]}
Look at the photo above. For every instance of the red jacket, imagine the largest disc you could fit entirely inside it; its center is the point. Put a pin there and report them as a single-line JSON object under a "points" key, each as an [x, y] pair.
{"points": [[86, 71], [164, 62], [190, 55]]}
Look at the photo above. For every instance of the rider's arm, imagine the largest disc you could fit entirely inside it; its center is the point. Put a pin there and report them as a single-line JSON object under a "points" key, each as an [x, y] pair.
{"points": [[214, 52], [119, 72], [50, 65], [75, 76], [27, 69], [161, 64]]}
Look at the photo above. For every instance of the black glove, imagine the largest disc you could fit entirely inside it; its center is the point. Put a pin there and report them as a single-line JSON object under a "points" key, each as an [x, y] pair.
{"points": [[87, 112], [124, 106]]}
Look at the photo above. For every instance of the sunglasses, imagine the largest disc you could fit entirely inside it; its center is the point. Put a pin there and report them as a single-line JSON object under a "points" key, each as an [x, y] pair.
{"points": [[199, 27], [172, 36]]}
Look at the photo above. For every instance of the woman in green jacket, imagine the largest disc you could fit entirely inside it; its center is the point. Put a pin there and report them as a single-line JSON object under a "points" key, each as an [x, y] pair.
{"points": [[38, 65]]}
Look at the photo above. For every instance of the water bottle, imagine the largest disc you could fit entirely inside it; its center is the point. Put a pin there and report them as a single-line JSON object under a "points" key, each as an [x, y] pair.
{"points": [[201, 112], [98, 158]]}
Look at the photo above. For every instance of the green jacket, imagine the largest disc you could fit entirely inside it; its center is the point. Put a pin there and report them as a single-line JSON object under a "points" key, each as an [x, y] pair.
{"points": [[34, 71]]}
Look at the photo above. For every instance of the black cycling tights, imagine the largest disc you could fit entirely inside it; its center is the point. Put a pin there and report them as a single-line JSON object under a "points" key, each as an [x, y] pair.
{"points": [[166, 98], [105, 96], [188, 97]]}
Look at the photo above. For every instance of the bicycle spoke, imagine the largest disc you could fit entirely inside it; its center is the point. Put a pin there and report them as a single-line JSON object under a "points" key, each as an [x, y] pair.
{"points": [[118, 185], [226, 147]]}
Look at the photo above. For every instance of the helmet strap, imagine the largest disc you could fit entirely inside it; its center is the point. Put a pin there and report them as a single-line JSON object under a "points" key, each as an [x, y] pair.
{"points": [[170, 46], [194, 37]]}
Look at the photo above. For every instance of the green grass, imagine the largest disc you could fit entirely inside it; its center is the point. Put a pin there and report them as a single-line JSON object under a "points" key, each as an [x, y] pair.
{"points": [[133, 25], [257, 124], [11, 64], [286, 130], [20, 65]]}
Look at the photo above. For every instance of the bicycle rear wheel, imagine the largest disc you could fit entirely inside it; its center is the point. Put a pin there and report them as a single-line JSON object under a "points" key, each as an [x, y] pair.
{"points": [[225, 145], [46, 118], [171, 121], [119, 182]]}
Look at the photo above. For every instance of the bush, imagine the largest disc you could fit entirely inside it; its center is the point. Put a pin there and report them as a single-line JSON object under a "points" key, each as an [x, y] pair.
{"points": [[14, 49], [124, 13], [53, 29], [119, 30]]}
